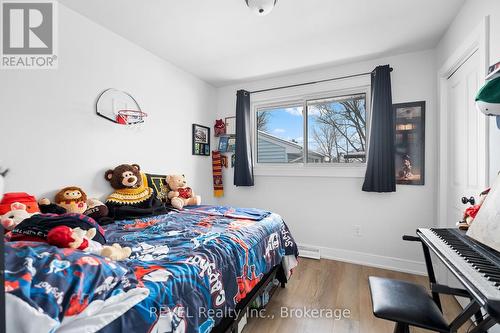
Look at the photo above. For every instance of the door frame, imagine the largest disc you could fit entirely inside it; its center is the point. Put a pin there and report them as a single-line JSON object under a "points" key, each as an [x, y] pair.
{"points": [[477, 41]]}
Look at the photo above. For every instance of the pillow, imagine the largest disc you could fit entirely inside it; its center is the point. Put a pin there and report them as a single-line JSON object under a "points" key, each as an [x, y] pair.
{"points": [[159, 185]]}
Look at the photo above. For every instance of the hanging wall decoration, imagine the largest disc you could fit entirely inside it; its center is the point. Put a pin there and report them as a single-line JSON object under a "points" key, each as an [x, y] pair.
{"points": [[219, 127], [410, 143], [223, 144], [119, 107], [230, 125], [201, 140]]}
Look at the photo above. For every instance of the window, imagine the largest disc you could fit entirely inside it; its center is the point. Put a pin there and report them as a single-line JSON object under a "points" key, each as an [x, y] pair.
{"points": [[318, 131], [280, 134], [337, 129]]}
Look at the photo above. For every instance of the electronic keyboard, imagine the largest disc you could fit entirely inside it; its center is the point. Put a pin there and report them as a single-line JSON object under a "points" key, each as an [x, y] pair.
{"points": [[475, 265]]}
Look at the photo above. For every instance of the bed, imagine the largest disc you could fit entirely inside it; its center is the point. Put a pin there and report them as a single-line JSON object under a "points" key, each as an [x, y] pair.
{"points": [[189, 271]]}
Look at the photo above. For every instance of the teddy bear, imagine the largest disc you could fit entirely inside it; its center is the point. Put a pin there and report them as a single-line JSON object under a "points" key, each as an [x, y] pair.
{"points": [[18, 213], [132, 198], [77, 238], [180, 195], [124, 176]]}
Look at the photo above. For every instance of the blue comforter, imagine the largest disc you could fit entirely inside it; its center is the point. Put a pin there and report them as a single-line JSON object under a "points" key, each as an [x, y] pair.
{"points": [[196, 265]]}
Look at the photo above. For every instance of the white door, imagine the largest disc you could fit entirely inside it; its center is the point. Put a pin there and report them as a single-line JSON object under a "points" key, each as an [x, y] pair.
{"points": [[466, 149], [466, 139]]}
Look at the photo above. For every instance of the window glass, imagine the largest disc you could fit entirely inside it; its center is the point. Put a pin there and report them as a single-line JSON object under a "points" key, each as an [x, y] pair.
{"points": [[337, 129], [280, 134]]}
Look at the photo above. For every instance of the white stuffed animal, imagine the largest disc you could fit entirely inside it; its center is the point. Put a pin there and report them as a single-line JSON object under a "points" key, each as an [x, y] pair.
{"points": [[17, 214], [114, 252]]}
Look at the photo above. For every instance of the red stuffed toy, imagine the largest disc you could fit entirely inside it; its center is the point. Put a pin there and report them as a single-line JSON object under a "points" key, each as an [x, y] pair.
{"points": [[471, 211], [65, 237], [220, 127]]}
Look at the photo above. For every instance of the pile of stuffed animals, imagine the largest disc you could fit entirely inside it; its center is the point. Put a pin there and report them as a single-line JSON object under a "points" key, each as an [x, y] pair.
{"points": [[73, 220]]}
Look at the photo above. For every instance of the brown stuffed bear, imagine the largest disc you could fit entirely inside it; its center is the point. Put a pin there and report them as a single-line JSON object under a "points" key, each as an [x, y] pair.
{"points": [[179, 194], [124, 176], [132, 198]]}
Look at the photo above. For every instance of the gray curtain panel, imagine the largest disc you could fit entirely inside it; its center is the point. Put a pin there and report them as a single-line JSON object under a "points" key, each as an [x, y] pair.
{"points": [[380, 170], [243, 165]]}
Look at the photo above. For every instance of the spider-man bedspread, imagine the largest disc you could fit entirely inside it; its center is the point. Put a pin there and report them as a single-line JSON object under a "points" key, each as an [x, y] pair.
{"points": [[187, 270]]}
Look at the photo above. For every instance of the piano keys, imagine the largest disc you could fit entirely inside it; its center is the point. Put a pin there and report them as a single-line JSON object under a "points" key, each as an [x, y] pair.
{"points": [[475, 265]]}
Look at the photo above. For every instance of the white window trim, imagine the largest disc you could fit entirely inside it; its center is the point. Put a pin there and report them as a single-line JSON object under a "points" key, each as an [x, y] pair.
{"points": [[341, 170]]}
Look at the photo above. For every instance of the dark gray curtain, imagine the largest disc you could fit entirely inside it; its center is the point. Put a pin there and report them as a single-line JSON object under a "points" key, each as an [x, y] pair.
{"points": [[380, 170], [243, 166]]}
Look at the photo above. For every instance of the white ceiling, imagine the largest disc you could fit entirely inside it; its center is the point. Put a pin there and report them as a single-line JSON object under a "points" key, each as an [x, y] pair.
{"points": [[222, 41]]}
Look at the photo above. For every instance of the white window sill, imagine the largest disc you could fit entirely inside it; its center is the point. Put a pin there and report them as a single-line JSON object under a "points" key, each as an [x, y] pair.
{"points": [[333, 171]]}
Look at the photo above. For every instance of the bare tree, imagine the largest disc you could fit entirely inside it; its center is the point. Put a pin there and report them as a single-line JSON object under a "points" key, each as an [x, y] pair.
{"points": [[326, 138], [346, 119], [263, 120]]}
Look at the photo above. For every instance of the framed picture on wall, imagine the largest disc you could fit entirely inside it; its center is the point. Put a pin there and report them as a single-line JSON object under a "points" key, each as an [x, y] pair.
{"points": [[223, 143], [230, 125], [201, 140], [410, 143]]}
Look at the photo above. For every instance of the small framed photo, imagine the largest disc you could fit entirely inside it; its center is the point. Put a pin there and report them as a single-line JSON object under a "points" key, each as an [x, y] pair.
{"points": [[230, 125], [410, 143], [231, 144], [223, 143], [201, 140]]}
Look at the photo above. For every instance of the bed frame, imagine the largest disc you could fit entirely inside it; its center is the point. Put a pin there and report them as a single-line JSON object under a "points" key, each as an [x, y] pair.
{"points": [[230, 324]]}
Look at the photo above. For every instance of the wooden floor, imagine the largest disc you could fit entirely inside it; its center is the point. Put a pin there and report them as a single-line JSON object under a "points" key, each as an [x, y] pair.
{"points": [[331, 284]]}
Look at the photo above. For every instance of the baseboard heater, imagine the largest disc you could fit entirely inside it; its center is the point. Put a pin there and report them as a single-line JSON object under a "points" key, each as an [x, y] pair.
{"points": [[312, 252]]}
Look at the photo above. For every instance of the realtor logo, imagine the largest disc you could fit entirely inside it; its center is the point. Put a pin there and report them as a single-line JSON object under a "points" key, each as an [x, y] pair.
{"points": [[28, 35]]}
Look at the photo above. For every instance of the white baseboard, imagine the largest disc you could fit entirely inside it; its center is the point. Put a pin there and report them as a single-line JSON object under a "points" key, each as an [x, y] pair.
{"points": [[372, 260]]}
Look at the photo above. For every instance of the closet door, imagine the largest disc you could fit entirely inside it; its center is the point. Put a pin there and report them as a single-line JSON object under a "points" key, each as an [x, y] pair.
{"points": [[466, 149], [466, 140]]}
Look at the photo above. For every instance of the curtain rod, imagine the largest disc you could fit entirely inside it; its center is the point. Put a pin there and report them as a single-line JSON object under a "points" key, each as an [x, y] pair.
{"points": [[311, 82]]}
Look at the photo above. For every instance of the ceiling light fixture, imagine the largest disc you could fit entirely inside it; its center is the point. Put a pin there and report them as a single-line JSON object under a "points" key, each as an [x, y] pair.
{"points": [[261, 7]]}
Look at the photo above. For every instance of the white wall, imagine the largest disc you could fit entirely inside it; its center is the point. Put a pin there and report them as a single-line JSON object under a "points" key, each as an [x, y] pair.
{"points": [[50, 136], [469, 17], [321, 211]]}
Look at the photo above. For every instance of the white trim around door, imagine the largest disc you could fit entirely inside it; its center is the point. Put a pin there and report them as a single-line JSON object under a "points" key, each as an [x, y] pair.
{"points": [[477, 42]]}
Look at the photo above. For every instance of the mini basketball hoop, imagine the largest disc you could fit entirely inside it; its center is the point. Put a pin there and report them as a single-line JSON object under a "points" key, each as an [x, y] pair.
{"points": [[119, 107], [130, 117]]}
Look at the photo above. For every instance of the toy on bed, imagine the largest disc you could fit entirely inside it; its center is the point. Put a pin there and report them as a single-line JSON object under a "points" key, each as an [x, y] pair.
{"points": [[26, 199], [37, 227], [70, 199], [73, 199], [180, 195], [77, 238], [18, 213], [132, 197]]}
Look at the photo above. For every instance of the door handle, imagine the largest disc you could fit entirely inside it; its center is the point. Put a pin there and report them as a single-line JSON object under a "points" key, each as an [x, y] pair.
{"points": [[470, 200]]}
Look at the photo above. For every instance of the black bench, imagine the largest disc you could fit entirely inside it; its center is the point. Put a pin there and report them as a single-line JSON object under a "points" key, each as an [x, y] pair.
{"points": [[407, 304]]}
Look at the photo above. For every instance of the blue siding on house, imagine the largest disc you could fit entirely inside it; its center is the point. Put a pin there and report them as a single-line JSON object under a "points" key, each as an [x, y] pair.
{"points": [[268, 152]]}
